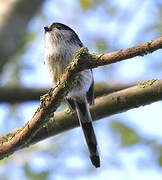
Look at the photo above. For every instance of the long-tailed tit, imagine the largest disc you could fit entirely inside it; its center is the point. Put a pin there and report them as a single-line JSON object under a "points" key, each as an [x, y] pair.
{"points": [[60, 44]]}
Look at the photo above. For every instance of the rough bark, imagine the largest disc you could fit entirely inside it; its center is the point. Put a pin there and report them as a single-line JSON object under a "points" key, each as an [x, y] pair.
{"points": [[120, 101], [82, 60], [139, 95]]}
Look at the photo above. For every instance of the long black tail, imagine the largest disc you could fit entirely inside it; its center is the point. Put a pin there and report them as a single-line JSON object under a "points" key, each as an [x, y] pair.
{"points": [[85, 121]]}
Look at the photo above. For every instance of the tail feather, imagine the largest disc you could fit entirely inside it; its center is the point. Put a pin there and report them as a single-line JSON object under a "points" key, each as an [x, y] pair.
{"points": [[85, 121]]}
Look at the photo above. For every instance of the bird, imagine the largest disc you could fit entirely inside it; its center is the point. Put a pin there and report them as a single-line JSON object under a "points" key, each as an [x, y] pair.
{"points": [[61, 42]]}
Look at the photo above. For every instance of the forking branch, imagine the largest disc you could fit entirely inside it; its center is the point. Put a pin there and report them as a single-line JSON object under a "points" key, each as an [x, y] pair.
{"points": [[24, 136]]}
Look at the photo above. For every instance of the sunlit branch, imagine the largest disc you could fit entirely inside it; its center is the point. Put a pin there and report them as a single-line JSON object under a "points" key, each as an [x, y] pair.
{"points": [[49, 103]]}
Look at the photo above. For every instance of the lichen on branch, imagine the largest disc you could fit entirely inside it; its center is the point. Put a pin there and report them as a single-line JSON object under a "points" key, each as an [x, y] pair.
{"points": [[81, 60]]}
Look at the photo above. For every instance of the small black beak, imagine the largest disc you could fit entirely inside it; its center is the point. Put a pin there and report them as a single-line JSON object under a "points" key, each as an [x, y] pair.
{"points": [[47, 29]]}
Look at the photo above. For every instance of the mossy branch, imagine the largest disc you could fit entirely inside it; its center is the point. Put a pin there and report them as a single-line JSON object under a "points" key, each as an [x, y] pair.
{"points": [[49, 103]]}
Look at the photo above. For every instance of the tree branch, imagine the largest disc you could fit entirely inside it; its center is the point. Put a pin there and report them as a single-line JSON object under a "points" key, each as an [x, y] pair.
{"points": [[120, 101], [139, 95], [21, 94], [82, 60], [109, 58]]}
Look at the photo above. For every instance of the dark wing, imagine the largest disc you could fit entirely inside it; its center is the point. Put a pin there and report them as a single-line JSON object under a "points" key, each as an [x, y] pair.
{"points": [[71, 103], [90, 93]]}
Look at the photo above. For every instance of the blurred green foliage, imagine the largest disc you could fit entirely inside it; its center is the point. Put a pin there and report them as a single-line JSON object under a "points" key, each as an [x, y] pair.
{"points": [[28, 38], [43, 175], [90, 4], [101, 45], [86, 4], [128, 136]]}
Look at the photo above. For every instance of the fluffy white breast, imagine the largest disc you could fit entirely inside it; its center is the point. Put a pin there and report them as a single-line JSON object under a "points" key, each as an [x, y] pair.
{"points": [[58, 54]]}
